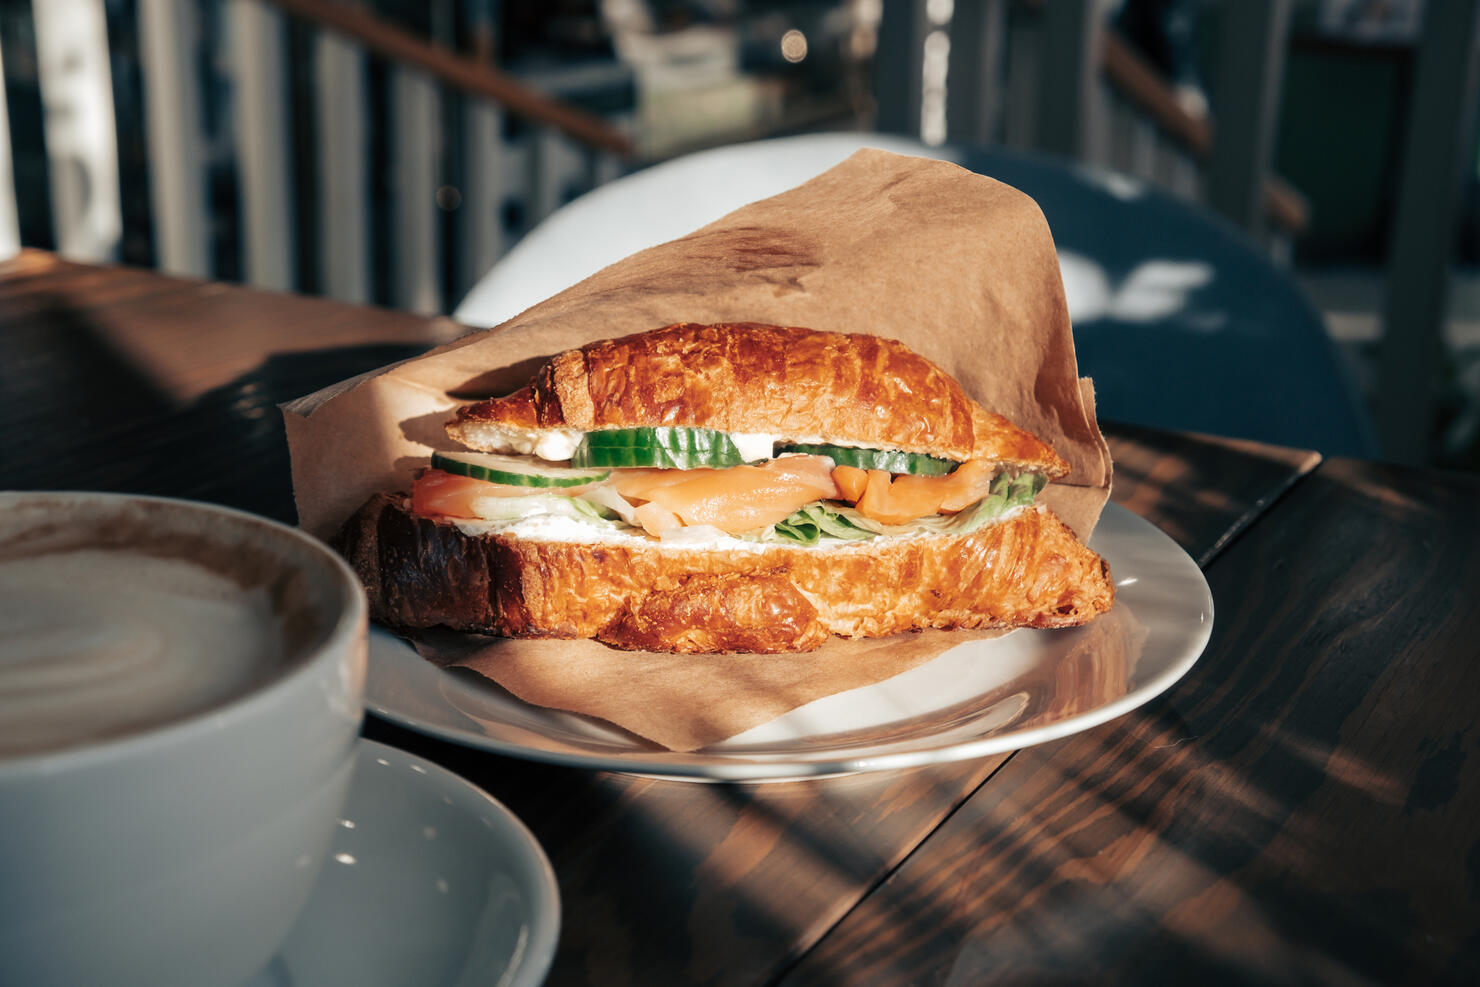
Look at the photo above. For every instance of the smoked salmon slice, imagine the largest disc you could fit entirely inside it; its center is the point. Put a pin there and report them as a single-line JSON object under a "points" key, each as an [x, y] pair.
{"points": [[740, 498], [437, 493], [906, 498]]}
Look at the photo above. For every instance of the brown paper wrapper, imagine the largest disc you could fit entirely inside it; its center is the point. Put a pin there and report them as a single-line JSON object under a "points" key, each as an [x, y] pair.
{"points": [[958, 266]]}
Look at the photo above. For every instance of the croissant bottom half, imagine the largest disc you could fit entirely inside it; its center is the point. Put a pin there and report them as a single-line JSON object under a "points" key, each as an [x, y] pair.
{"points": [[1027, 570]]}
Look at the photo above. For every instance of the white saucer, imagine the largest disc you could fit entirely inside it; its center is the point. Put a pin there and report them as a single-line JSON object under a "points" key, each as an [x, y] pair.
{"points": [[429, 881]]}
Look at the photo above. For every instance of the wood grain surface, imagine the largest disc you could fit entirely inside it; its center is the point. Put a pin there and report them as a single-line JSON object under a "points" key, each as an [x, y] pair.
{"points": [[1200, 489], [181, 339], [1301, 809], [125, 380]]}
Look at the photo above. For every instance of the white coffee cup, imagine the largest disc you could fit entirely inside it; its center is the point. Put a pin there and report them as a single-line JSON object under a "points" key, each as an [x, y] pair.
{"points": [[181, 691]]}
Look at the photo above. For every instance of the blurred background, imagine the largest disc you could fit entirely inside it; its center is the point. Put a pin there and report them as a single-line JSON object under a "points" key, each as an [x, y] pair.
{"points": [[393, 151]]}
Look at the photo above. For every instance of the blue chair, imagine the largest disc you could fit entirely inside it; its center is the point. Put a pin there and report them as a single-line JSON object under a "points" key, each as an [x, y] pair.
{"points": [[1180, 320]]}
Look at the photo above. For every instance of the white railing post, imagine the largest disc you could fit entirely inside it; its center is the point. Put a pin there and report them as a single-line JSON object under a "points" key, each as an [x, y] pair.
{"points": [[259, 74], [10, 225], [169, 33], [81, 138], [341, 155], [485, 166], [415, 151]]}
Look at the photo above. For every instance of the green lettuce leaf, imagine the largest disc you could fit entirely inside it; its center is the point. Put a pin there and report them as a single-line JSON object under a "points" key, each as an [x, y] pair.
{"points": [[817, 521], [812, 523]]}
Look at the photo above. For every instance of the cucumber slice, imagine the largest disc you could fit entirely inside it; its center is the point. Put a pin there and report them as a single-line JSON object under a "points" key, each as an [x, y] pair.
{"points": [[514, 471], [667, 447], [891, 460]]}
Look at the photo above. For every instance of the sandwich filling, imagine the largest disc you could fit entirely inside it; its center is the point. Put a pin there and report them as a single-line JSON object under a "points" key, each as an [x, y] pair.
{"points": [[693, 485]]}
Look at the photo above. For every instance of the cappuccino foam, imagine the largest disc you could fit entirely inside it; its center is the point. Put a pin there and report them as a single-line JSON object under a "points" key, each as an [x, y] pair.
{"points": [[97, 643]]}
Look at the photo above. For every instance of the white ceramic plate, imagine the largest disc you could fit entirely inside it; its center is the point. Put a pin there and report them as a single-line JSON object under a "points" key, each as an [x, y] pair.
{"points": [[429, 881], [981, 698]]}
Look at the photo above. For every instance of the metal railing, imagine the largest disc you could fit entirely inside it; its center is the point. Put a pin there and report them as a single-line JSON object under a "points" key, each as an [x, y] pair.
{"points": [[297, 145]]}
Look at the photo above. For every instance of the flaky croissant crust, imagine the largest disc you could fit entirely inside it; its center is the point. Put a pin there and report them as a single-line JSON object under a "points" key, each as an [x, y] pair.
{"points": [[1027, 570], [799, 384]]}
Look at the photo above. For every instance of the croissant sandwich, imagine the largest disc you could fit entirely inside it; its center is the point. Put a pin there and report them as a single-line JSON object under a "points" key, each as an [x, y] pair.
{"points": [[738, 487]]}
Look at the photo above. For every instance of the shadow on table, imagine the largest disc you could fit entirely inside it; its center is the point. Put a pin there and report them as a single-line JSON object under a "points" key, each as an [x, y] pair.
{"points": [[83, 414], [250, 445], [246, 415]]}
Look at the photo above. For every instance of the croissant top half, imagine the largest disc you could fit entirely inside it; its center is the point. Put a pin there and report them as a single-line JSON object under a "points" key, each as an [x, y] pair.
{"points": [[800, 385]]}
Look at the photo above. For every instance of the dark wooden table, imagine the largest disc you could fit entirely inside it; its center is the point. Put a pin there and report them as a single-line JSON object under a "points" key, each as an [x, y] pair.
{"points": [[1303, 807]]}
